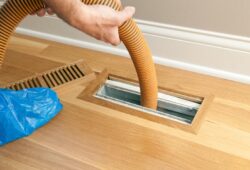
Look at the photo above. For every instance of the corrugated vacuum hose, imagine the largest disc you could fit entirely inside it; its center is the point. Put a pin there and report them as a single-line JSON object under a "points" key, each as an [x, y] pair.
{"points": [[14, 11]]}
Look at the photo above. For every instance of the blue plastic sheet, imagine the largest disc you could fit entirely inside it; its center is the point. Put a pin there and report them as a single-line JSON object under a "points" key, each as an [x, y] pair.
{"points": [[23, 111]]}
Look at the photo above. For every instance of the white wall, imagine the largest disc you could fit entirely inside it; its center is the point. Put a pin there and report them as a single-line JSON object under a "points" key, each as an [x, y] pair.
{"points": [[225, 16]]}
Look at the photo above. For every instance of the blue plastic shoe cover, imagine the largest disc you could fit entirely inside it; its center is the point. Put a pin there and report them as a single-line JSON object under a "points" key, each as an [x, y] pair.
{"points": [[23, 111]]}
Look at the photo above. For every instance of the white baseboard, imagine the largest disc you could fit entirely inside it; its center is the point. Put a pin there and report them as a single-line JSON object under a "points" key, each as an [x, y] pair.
{"points": [[216, 54]]}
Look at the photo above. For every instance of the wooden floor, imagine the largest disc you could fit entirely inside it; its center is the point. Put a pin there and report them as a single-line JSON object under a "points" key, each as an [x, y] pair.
{"points": [[88, 136]]}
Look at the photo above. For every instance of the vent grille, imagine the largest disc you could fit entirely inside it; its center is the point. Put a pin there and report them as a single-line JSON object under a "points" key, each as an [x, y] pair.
{"points": [[52, 78], [28, 83], [62, 75]]}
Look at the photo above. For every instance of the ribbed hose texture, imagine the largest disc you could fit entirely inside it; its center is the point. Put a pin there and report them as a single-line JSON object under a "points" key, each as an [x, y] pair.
{"points": [[14, 11]]}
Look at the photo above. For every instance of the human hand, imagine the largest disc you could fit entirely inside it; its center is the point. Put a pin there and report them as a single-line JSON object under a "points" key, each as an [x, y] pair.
{"points": [[102, 22], [98, 21]]}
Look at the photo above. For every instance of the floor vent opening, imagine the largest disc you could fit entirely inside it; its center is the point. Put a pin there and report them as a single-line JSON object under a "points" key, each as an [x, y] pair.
{"points": [[173, 107], [177, 109]]}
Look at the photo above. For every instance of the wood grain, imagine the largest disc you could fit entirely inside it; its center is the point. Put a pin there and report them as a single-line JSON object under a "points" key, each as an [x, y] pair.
{"points": [[86, 135]]}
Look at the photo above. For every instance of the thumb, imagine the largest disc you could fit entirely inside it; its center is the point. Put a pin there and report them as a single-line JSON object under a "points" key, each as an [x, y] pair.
{"points": [[125, 14]]}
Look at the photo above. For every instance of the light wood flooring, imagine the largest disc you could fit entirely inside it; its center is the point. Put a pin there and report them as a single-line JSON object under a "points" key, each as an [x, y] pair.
{"points": [[88, 136]]}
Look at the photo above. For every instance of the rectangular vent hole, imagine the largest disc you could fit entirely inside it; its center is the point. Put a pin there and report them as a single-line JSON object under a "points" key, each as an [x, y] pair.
{"points": [[170, 106]]}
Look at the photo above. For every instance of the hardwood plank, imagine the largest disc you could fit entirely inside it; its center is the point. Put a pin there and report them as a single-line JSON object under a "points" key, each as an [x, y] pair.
{"points": [[27, 46], [9, 74], [29, 62], [10, 164], [223, 113], [35, 156]]}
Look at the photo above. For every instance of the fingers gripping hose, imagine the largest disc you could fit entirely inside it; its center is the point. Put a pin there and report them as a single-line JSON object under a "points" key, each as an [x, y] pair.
{"points": [[13, 12]]}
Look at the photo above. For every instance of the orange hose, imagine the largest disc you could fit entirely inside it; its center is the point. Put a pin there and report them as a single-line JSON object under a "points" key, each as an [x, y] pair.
{"points": [[14, 11]]}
